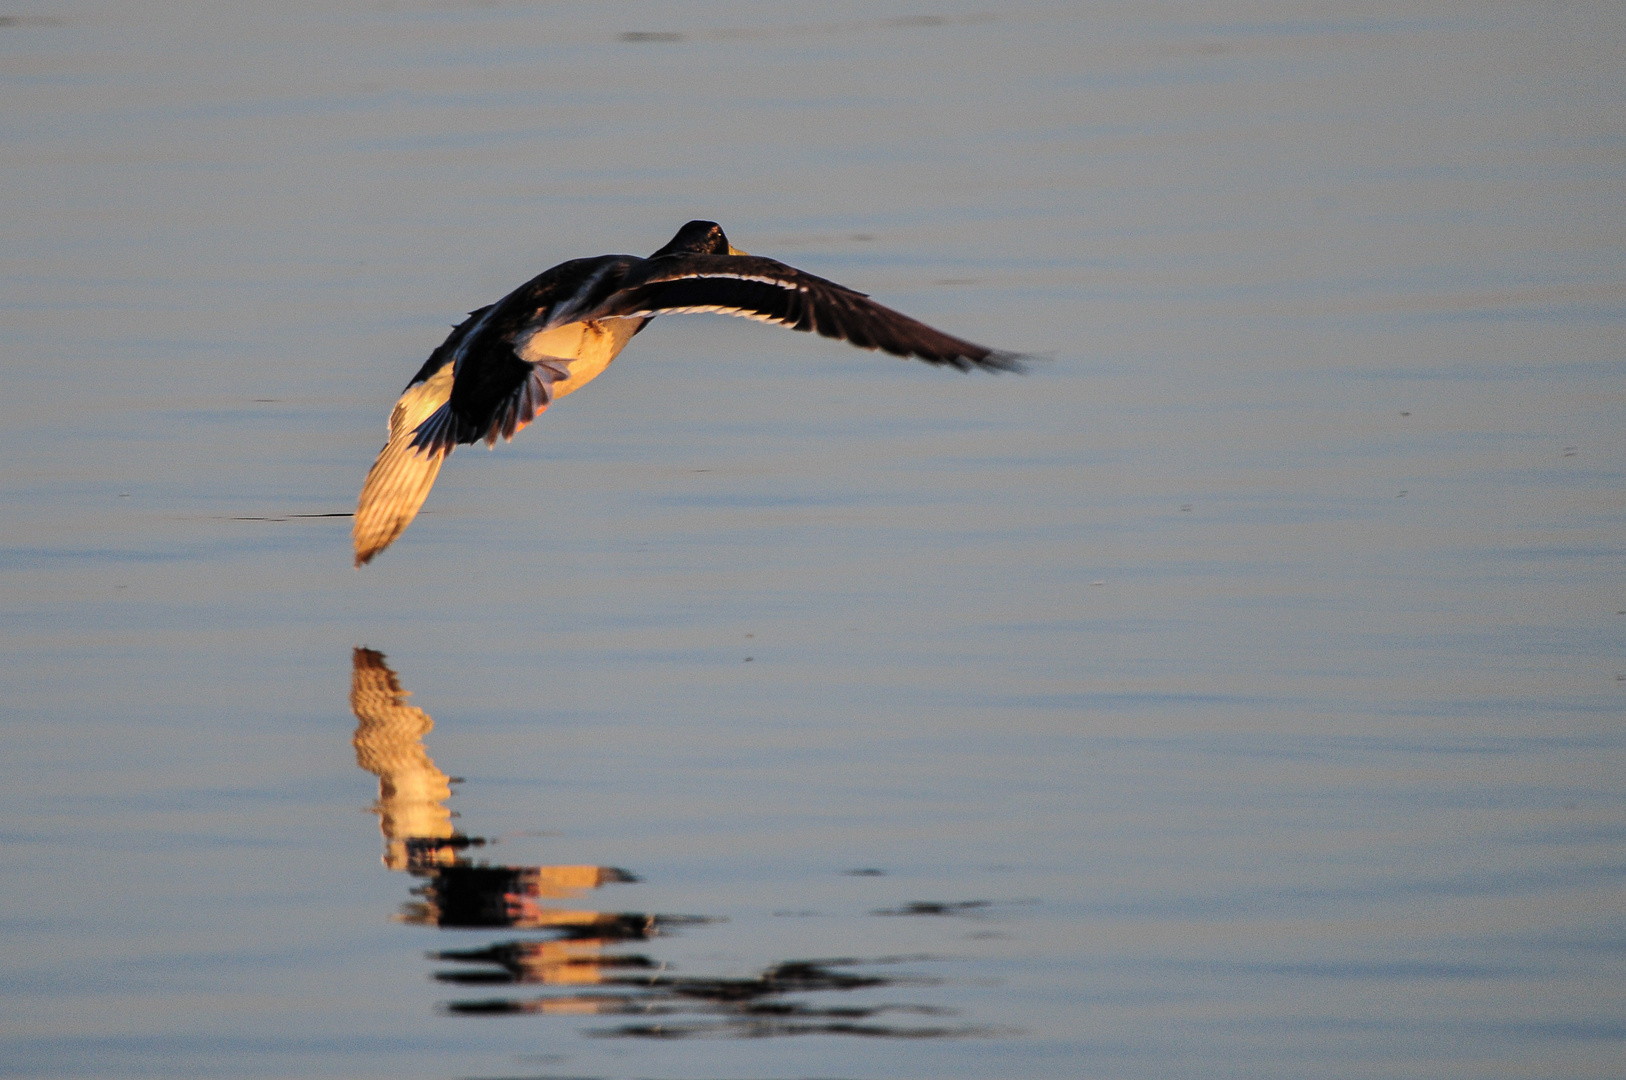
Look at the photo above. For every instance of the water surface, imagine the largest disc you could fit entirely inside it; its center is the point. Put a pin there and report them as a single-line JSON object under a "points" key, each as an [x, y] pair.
{"points": [[1237, 694]]}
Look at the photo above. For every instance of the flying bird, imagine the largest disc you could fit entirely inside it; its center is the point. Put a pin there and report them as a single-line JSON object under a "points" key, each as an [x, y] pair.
{"points": [[506, 363]]}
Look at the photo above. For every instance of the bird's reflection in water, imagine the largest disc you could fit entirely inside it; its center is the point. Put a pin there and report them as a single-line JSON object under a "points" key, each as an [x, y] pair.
{"points": [[590, 960]]}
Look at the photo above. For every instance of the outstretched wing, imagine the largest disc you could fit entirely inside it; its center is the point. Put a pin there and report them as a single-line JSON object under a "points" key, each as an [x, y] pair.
{"points": [[401, 477], [758, 288], [403, 474]]}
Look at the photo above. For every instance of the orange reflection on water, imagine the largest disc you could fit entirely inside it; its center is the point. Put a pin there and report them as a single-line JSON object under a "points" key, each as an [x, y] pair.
{"points": [[584, 948]]}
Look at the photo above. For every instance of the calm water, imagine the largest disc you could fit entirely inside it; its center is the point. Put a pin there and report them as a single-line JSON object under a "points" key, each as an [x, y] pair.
{"points": [[1241, 693]]}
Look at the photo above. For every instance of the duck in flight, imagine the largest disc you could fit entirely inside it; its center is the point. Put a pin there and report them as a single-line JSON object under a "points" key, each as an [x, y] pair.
{"points": [[506, 363]]}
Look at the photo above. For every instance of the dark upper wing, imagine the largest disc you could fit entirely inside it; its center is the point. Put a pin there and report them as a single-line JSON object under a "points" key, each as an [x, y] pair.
{"points": [[764, 289], [448, 348]]}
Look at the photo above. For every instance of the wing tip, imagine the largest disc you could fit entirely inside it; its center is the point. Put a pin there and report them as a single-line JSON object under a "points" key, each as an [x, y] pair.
{"points": [[971, 358], [396, 487], [999, 360]]}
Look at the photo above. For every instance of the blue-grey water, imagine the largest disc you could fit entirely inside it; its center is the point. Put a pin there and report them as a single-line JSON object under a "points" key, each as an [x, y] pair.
{"points": [[1240, 693]]}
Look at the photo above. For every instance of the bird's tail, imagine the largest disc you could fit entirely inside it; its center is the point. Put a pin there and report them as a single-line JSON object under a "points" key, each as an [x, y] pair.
{"points": [[403, 474]]}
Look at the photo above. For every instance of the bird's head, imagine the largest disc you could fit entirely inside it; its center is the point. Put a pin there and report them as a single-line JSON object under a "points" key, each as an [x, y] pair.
{"points": [[699, 238]]}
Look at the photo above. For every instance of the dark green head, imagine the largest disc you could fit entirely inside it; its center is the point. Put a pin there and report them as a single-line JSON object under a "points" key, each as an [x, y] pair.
{"points": [[699, 238]]}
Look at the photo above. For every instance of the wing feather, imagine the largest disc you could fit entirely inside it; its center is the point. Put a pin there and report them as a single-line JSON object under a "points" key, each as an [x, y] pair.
{"points": [[771, 291], [401, 477], [396, 487]]}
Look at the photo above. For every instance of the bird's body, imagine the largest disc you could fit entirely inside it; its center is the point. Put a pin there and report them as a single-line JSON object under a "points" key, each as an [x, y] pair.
{"points": [[506, 363]]}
